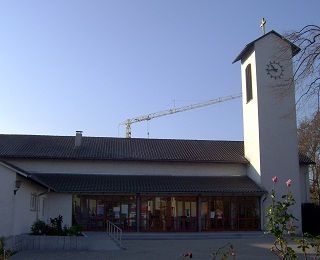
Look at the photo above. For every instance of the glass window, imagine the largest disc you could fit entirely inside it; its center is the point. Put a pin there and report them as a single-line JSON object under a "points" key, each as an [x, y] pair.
{"points": [[93, 211], [249, 82], [33, 202], [44, 207], [230, 213], [164, 213]]}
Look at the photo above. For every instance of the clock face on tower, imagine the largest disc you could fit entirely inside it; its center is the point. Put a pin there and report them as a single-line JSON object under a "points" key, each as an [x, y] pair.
{"points": [[274, 70]]}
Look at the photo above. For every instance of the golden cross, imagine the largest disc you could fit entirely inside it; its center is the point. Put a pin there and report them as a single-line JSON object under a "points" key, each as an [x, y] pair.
{"points": [[262, 25]]}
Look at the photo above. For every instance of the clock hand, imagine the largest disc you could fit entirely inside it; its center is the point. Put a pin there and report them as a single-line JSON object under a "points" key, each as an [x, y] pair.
{"points": [[273, 68]]}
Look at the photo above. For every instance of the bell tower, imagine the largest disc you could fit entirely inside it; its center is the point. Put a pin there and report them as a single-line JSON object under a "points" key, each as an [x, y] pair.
{"points": [[269, 116]]}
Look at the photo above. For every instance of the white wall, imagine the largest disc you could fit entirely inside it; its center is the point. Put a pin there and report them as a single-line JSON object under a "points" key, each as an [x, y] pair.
{"points": [[270, 128], [137, 168], [60, 204], [7, 201], [25, 214], [16, 215], [251, 121]]}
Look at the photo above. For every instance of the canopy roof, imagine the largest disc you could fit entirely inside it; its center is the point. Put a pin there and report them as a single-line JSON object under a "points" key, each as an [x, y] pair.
{"points": [[102, 183]]}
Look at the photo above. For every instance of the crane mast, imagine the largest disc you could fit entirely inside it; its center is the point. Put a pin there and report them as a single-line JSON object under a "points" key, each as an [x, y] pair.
{"points": [[148, 117]]}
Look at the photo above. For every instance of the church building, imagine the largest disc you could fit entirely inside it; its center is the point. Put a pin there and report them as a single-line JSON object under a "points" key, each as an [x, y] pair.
{"points": [[162, 185]]}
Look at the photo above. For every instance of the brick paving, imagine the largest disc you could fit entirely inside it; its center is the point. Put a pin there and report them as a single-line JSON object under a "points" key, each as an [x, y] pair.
{"points": [[167, 247]]}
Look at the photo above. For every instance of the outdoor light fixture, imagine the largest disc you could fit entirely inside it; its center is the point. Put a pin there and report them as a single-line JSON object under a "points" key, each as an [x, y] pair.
{"points": [[18, 185]]}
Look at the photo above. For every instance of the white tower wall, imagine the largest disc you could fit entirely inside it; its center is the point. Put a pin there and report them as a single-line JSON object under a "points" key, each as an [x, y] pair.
{"points": [[270, 127]]}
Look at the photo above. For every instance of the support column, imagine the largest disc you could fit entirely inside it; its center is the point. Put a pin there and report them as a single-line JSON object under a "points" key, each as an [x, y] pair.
{"points": [[138, 207], [199, 213]]}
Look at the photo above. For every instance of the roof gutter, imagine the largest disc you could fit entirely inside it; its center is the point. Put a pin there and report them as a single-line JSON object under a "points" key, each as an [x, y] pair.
{"points": [[14, 168], [25, 174]]}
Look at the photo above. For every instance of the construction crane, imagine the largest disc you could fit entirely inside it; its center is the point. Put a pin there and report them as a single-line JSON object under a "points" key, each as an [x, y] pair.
{"points": [[148, 117]]}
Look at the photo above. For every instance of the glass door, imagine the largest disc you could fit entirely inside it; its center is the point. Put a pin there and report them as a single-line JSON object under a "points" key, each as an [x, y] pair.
{"points": [[93, 211], [186, 213], [153, 213]]}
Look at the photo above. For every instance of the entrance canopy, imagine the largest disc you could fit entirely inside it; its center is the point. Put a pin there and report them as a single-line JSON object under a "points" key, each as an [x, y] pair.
{"points": [[102, 183]]}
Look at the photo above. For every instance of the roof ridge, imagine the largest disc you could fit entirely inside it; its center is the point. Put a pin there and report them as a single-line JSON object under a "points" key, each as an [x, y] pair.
{"points": [[120, 138]]}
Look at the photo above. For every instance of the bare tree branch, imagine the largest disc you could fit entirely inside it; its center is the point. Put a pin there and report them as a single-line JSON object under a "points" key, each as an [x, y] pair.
{"points": [[307, 63]]}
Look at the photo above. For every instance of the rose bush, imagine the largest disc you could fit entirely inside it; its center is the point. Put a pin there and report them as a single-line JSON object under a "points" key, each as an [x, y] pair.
{"points": [[281, 225]]}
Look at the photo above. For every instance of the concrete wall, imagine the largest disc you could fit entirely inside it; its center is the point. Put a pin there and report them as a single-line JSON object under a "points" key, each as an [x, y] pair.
{"points": [[270, 127], [57, 243]]}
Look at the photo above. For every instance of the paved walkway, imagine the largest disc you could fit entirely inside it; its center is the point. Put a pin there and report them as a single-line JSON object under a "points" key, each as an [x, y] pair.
{"points": [[163, 246], [100, 241]]}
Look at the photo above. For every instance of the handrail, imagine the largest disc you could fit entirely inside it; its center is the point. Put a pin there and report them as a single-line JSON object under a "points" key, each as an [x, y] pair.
{"points": [[115, 233]]}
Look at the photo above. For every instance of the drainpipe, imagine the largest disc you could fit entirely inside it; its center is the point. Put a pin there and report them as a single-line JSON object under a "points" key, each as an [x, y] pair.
{"points": [[262, 210], [14, 215]]}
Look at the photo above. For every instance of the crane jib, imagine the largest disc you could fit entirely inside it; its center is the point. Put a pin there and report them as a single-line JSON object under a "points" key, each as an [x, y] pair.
{"points": [[128, 122]]}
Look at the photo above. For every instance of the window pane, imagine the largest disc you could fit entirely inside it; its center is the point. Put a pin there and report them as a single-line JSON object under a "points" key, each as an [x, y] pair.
{"points": [[249, 82]]}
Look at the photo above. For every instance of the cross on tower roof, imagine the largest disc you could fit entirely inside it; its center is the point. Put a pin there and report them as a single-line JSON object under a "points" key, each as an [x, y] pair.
{"points": [[262, 25]]}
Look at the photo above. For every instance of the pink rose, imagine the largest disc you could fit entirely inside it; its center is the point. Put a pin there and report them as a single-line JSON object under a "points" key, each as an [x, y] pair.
{"points": [[186, 255], [275, 179], [288, 183]]}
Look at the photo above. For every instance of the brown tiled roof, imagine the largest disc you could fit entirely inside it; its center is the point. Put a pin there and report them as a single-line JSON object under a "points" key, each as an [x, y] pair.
{"points": [[133, 149], [99, 183], [106, 148]]}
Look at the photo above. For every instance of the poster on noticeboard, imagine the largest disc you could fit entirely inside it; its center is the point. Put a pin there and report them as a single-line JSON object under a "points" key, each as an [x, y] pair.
{"points": [[124, 209], [116, 212]]}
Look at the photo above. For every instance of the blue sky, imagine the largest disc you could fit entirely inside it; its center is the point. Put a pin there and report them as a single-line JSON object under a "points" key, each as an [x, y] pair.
{"points": [[90, 65]]}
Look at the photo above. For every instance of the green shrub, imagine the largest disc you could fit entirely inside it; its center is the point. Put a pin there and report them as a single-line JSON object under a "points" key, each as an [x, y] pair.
{"points": [[1, 243], [56, 224], [75, 230], [4, 254], [39, 227], [55, 228]]}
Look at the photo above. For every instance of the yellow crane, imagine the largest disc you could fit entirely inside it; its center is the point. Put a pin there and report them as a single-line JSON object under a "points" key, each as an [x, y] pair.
{"points": [[148, 117]]}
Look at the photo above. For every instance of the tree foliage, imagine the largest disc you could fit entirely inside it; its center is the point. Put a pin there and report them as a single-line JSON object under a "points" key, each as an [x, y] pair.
{"points": [[307, 64], [309, 144]]}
